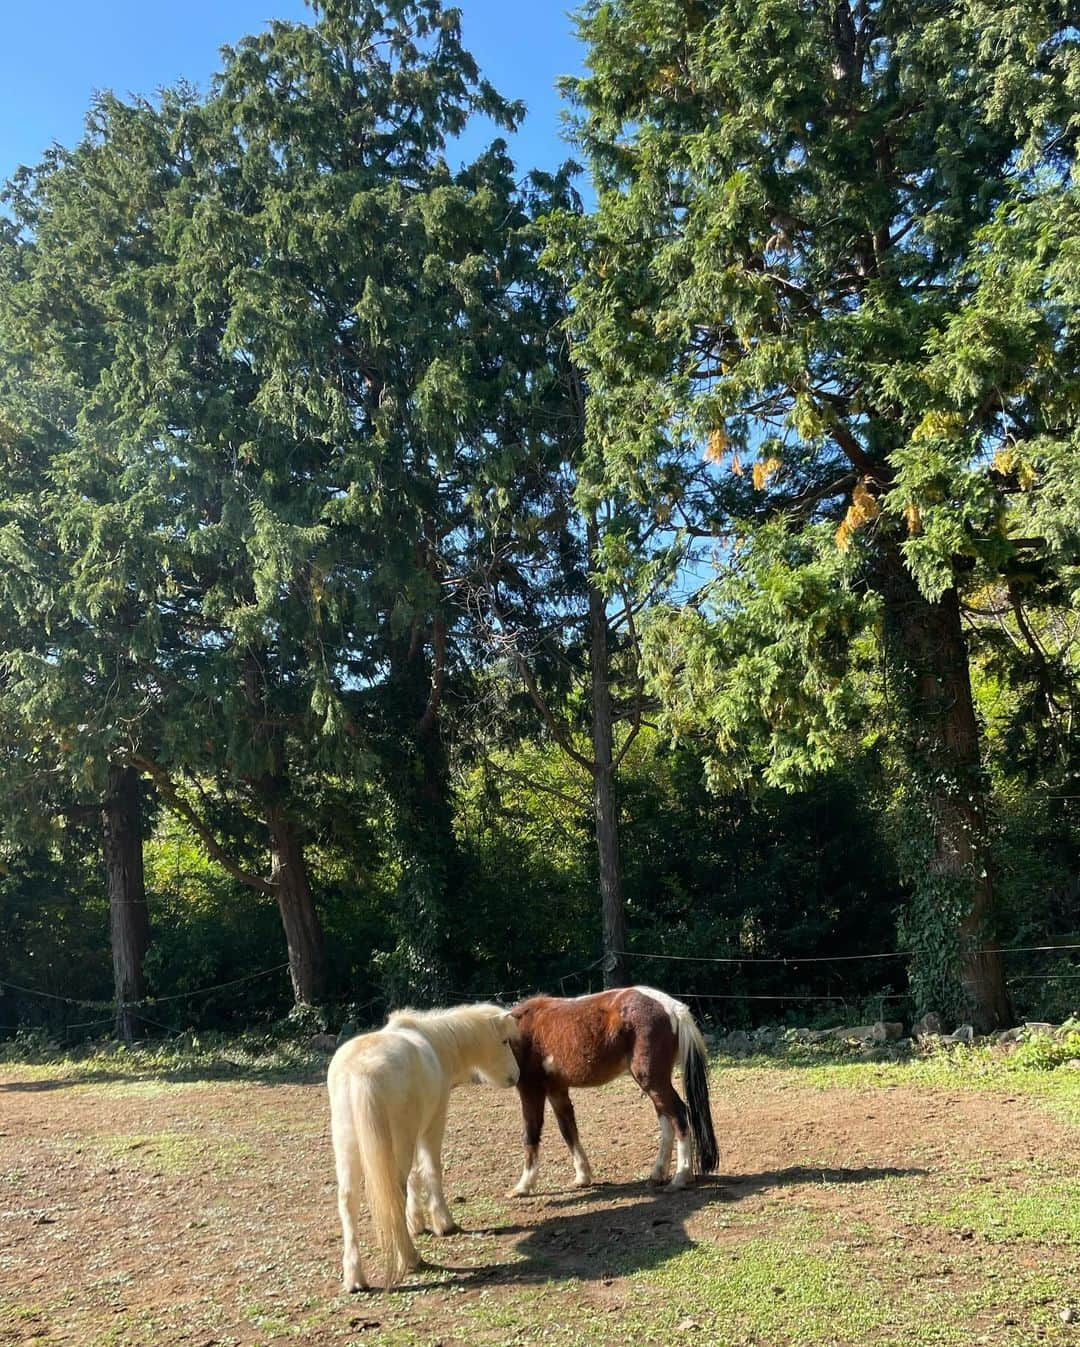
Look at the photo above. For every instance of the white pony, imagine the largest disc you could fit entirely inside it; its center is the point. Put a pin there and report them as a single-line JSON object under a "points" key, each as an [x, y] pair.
{"points": [[388, 1096]]}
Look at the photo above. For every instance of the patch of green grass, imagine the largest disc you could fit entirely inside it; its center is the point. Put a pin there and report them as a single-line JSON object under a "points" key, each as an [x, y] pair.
{"points": [[1048, 1213], [170, 1152], [268, 1318], [18, 1312], [1038, 1069], [764, 1288], [187, 1059]]}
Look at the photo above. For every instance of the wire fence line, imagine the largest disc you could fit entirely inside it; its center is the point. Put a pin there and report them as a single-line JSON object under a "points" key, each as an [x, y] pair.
{"points": [[793, 960], [147, 1001], [606, 960]]}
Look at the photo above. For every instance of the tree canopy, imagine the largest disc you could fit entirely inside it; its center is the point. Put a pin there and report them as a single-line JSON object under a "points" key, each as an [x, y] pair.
{"points": [[347, 486]]}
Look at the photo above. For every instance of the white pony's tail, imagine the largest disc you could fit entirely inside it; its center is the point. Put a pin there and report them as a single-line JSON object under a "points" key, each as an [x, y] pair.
{"points": [[385, 1195], [693, 1063]]}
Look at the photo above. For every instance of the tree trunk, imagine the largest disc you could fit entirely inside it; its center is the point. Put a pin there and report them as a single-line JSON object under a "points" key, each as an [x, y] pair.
{"points": [[612, 903], [303, 931], [288, 866], [947, 770], [129, 919]]}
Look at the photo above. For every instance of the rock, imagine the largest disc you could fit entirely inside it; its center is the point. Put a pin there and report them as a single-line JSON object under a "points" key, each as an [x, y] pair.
{"points": [[322, 1042], [1039, 1029], [1068, 1315], [965, 1034], [1073, 1063], [887, 1031], [738, 1042], [1014, 1035], [929, 1024], [348, 1030]]}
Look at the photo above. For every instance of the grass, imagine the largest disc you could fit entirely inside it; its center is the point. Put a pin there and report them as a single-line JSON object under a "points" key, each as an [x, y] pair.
{"points": [[1046, 1212], [1039, 1069], [153, 1067], [171, 1152]]}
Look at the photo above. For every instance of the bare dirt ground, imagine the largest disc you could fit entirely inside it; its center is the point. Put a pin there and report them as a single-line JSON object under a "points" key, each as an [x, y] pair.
{"points": [[202, 1213]]}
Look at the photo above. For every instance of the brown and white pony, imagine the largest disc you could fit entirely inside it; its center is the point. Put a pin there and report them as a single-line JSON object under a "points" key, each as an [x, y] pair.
{"points": [[589, 1040]]}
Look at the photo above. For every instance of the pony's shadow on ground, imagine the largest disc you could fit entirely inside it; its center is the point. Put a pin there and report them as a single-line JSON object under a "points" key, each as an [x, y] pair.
{"points": [[586, 1238]]}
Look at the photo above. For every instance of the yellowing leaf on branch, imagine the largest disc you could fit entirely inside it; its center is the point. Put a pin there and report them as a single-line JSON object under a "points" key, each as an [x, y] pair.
{"points": [[913, 515], [763, 470], [1008, 462], [717, 445], [862, 510], [937, 426]]}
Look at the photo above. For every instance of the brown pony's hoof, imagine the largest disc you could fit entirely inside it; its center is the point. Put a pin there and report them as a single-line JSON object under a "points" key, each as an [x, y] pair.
{"points": [[452, 1229]]}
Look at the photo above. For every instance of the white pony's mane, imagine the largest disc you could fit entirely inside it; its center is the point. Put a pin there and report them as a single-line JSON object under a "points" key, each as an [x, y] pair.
{"points": [[456, 1028]]}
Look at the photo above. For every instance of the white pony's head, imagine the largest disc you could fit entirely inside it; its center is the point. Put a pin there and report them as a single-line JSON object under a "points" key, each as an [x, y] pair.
{"points": [[472, 1041], [496, 1062]]}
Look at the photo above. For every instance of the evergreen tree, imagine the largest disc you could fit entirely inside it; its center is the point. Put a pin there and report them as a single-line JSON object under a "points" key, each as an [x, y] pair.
{"points": [[297, 340], [792, 204]]}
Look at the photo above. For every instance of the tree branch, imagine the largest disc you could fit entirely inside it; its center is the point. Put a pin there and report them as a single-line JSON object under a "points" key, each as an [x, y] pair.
{"points": [[180, 807]]}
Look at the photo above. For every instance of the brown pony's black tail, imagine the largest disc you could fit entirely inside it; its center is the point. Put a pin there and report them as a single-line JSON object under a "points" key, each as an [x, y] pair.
{"points": [[693, 1061]]}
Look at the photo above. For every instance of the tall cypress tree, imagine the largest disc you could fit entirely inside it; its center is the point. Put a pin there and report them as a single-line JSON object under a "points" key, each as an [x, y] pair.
{"points": [[298, 340], [791, 200]]}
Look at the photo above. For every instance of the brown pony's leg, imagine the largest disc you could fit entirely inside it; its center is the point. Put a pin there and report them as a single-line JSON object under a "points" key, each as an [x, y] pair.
{"points": [[532, 1117], [564, 1116], [671, 1114], [650, 1066]]}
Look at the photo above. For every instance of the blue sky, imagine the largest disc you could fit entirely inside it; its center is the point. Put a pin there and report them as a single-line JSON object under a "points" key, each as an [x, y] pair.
{"points": [[55, 53]]}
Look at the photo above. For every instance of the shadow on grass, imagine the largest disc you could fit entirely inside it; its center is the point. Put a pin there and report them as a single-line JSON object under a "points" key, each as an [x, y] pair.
{"points": [[587, 1239]]}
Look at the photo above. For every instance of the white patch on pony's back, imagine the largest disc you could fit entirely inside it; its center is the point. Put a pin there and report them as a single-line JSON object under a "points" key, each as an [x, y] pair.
{"points": [[668, 1002]]}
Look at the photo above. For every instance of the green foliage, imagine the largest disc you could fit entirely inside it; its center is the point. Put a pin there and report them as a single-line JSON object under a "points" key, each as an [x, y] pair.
{"points": [[294, 479], [772, 665], [54, 927], [828, 259]]}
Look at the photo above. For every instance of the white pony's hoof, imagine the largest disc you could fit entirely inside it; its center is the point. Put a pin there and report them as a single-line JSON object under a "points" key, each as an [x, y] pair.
{"points": [[583, 1180], [450, 1228], [679, 1180]]}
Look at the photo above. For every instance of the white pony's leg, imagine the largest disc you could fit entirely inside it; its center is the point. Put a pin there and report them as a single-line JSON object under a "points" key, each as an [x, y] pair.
{"points": [[416, 1202], [429, 1165], [663, 1155], [349, 1177], [683, 1162]]}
